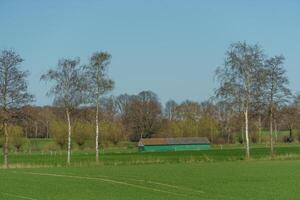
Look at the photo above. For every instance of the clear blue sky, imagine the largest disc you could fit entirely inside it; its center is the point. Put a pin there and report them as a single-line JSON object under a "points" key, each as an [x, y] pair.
{"points": [[171, 47]]}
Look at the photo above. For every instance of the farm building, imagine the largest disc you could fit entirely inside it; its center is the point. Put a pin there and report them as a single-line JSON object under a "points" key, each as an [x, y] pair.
{"points": [[174, 144]]}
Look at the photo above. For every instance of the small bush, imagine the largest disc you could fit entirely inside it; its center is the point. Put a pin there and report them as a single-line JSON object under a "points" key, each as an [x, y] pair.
{"points": [[220, 140], [82, 132], [59, 132], [287, 139], [239, 139], [254, 138], [111, 132], [51, 147], [16, 137]]}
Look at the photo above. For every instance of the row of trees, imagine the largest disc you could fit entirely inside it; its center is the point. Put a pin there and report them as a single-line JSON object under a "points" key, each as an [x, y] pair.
{"points": [[253, 88], [72, 85], [133, 118], [250, 80]]}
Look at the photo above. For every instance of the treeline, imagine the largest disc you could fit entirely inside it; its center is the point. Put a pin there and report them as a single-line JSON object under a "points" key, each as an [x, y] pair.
{"points": [[130, 117], [252, 97]]}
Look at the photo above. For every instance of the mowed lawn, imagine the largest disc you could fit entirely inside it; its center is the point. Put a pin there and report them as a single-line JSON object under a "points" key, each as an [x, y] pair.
{"points": [[218, 180]]}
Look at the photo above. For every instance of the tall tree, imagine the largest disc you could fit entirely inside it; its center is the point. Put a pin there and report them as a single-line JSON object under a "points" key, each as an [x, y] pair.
{"points": [[121, 103], [259, 100], [209, 111], [13, 91], [67, 90], [238, 76], [98, 84], [289, 116], [109, 108], [189, 110], [144, 111], [225, 116], [170, 108], [277, 91]]}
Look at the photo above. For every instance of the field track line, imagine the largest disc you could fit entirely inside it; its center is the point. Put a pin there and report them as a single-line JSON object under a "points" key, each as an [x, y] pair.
{"points": [[167, 185], [174, 186], [17, 196], [106, 180], [158, 183]]}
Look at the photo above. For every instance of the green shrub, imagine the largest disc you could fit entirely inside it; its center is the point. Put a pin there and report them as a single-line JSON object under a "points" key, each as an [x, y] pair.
{"points": [[51, 147], [16, 137], [111, 132], [82, 132], [1, 142], [59, 133]]}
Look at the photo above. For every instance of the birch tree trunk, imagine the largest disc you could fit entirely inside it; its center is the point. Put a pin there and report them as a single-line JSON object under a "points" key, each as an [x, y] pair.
{"points": [[36, 129], [243, 135], [211, 132], [276, 132], [97, 132], [141, 135], [5, 148], [247, 133], [69, 136], [47, 129], [271, 132], [260, 128]]}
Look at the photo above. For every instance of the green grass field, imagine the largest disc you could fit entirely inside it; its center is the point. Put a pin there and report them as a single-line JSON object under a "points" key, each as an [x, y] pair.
{"points": [[119, 157], [219, 180], [219, 173]]}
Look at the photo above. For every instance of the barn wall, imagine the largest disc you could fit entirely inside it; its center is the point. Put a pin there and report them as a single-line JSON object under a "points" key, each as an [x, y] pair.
{"points": [[191, 147]]}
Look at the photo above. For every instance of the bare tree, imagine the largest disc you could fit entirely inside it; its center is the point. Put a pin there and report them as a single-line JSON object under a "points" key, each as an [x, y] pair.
{"points": [[277, 91], [13, 91], [170, 109], [259, 100], [67, 89], [209, 111], [144, 111], [289, 115], [225, 115], [108, 108], [238, 76], [189, 110], [121, 103], [97, 85]]}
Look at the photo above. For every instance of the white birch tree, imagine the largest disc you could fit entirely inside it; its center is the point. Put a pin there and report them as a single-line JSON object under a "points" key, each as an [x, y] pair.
{"points": [[98, 84], [238, 77], [68, 90]]}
